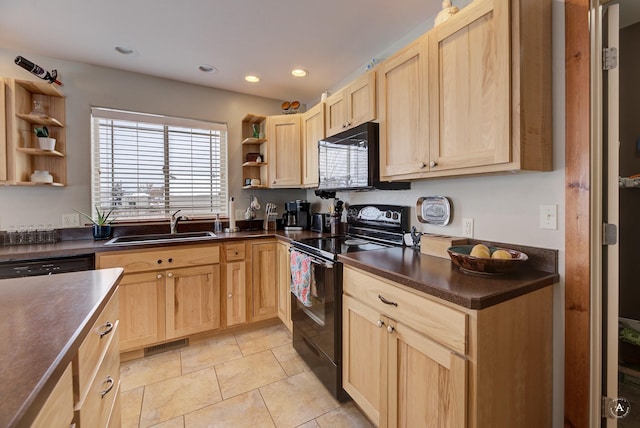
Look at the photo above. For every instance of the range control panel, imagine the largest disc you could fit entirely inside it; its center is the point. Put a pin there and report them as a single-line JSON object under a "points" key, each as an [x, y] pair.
{"points": [[391, 217]]}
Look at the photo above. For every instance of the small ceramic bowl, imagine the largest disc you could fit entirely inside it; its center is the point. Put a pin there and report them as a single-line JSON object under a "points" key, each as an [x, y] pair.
{"points": [[459, 255]]}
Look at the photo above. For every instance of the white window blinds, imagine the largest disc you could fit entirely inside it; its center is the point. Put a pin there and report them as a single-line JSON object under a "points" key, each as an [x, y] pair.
{"points": [[147, 166]]}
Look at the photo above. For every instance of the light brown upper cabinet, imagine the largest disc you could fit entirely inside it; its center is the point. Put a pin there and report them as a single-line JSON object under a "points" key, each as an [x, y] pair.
{"points": [[352, 105], [312, 131], [21, 154], [403, 112], [489, 92], [284, 149]]}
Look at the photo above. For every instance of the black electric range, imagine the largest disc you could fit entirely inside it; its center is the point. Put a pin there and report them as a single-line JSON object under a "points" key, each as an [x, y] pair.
{"points": [[317, 325]]}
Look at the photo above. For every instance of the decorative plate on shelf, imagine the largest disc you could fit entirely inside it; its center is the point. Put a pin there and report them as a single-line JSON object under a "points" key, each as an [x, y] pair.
{"points": [[461, 256]]}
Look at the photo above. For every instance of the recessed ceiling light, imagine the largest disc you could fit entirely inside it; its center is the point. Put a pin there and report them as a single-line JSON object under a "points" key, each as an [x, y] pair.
{"points": [[124, 50], [251, 78], [299, 72], [206, 68]]}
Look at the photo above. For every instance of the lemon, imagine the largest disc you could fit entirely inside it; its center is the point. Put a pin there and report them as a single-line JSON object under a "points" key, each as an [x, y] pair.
{"points": [[481, 251], [501, 254]]}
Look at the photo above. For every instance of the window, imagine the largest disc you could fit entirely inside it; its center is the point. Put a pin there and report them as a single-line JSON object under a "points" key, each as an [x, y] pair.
{"points": [[147, 166]]}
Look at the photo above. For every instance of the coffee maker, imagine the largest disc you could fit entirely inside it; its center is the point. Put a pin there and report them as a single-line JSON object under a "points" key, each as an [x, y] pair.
{"points": [[296, 215]]}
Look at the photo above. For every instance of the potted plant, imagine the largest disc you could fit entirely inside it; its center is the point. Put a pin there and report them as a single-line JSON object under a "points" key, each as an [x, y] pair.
{"points": [[45, 142], [101, 224]]}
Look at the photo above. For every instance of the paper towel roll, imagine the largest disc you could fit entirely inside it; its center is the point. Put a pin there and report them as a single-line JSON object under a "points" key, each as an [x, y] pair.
{"points": [[232, 216]]}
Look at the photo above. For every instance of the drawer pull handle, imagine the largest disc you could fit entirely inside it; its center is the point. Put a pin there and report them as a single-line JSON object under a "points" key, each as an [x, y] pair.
{"points": [[111, 382], [390, 329], [386, 302], [108, 328], [380, 323]]}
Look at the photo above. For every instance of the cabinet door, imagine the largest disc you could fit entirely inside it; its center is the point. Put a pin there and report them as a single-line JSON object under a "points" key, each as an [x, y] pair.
{"points": [[312, 132], [284, 285], [361, 100], [284, 151], [192, 300], [336, 106], [264, 286], [364, 358], [142, 297], [403, 112], [473, 84], [236, 288], [427, 383]]}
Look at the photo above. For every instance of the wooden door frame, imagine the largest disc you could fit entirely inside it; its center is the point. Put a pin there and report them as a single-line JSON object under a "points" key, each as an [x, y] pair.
{"points": [[578, 215]]}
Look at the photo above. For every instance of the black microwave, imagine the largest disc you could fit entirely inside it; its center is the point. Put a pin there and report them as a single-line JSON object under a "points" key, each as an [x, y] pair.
{"points": [[349, 160]]}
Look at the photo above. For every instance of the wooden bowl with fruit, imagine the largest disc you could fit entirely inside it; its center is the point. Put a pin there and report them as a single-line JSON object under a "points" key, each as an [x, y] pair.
{"points": [[488, 260]]}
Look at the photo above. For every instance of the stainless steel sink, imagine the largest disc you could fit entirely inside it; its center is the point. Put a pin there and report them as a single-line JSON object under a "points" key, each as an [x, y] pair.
{"points": [[160, 238]]}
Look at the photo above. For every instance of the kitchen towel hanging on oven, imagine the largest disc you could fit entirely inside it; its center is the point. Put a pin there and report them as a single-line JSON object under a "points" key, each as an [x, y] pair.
{"points": [[302, 278]]}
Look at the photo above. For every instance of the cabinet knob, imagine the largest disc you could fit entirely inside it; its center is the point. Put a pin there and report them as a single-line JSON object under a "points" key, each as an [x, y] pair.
{"points": [[380, 323], [169, 275], [273, 182], [344, 125], [159, 261], [229, 296], [421, 165], [170, 260], [433, 163], [159, 276], [390, 329]]}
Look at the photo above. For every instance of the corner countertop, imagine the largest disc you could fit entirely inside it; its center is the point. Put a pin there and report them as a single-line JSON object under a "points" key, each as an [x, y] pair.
{"points": [[89, 246], [440, 278], [43, 321]]}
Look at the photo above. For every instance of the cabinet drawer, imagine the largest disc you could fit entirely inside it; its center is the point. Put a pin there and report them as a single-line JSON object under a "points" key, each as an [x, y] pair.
{"points": [[94, 346], [58, 409], [96, 409], [234, 252], [441, 323], [165, 258]]}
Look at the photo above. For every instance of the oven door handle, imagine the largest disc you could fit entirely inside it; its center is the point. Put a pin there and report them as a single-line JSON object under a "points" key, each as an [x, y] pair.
{"points": [[326, 263]]}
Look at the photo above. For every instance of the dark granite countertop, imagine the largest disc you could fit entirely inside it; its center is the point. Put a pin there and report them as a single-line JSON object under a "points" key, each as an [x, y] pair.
{"points": [[43, 321], [89, 246], [441, 278]]}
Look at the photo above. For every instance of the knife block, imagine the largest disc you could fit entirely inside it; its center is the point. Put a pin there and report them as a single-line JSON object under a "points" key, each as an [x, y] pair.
{"points": [[436, 245]]}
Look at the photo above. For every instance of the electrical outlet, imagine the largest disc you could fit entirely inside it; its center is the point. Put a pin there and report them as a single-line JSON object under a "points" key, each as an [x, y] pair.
{"points": [[70, 220], [467, 227], [549, 217]]}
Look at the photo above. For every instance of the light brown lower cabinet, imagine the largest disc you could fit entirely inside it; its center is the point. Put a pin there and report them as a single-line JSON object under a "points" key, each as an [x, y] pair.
{"points": [[284, 285], [57, 411], [166, 293], [235, 281], [96, 372], [413, 360], [264, 280]]}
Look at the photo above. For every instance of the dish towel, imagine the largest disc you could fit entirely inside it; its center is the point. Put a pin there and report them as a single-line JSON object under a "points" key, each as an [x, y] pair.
{"points": [[301, 277]]}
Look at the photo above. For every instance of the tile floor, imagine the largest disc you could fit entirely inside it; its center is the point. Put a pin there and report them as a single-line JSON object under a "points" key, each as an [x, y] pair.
{"points": [[249, 379]]}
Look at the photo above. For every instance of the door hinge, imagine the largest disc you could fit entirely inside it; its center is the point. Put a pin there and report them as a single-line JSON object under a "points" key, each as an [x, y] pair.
{"points": [[615, 408], [609, 234], [609, 58]]}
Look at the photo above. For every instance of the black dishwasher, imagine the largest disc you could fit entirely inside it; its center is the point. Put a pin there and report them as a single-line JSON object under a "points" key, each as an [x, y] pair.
{"points": [[46, 266]]}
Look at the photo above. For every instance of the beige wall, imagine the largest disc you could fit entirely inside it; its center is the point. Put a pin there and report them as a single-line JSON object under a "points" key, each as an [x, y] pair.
{"points": [[86, 86]]}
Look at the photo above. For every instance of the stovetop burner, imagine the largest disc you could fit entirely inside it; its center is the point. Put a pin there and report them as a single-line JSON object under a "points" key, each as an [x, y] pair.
{"points": [[355, 241]]}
